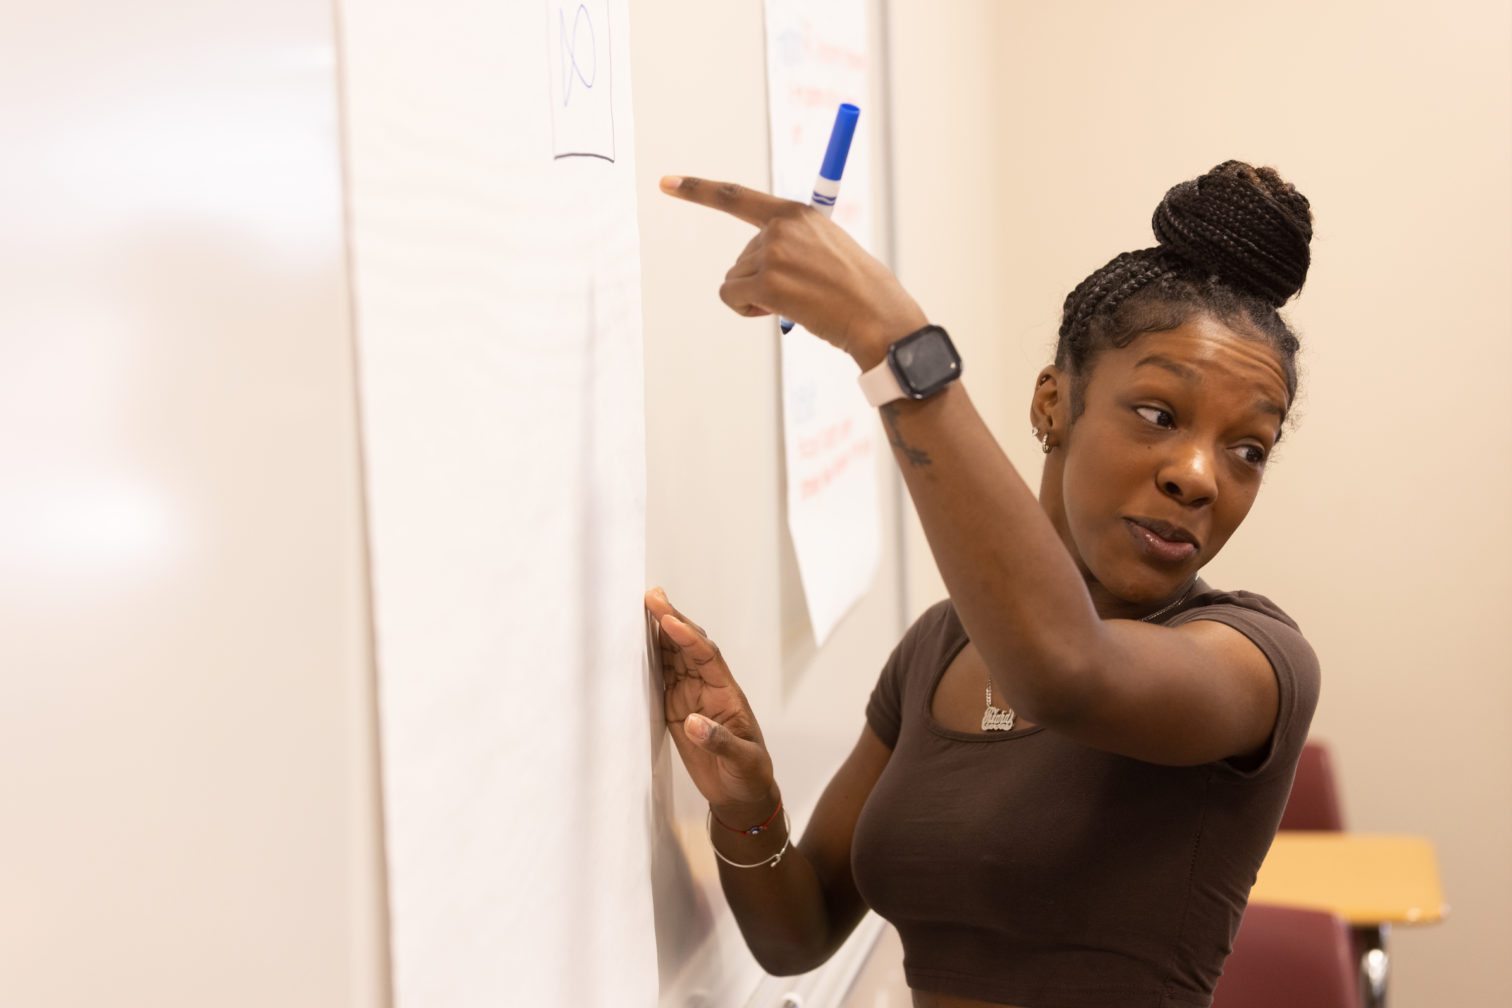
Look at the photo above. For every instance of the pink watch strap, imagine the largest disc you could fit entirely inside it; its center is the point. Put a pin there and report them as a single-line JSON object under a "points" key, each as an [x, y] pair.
{"points": [[880, 385]]}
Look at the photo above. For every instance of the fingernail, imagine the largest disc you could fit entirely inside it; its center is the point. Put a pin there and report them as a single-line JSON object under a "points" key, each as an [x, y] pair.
{"points": [[661, 594], [669, 183], [698, 726]]}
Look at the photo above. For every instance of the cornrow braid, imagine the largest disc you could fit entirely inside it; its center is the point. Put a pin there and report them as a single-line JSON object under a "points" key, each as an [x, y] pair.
{"points": [[1234, 243], [1111, 286]]}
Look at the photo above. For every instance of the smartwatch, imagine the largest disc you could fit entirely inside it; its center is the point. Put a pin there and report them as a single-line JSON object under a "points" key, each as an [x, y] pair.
{"points": [[917, 366]]}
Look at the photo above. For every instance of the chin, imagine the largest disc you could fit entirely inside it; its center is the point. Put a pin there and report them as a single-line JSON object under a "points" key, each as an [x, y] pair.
{"points": [[1146, 585]]}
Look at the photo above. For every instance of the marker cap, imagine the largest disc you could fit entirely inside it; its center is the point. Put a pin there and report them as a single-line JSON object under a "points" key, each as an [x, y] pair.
{"points": [[840, 142]]}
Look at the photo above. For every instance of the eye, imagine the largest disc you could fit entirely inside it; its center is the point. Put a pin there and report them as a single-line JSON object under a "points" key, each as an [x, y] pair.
{"points": [[1170, 418], [1253, 454]]}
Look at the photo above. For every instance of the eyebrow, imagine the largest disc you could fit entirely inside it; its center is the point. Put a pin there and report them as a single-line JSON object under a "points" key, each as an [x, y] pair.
{"points": [[1266, 406], [1184, 372]]}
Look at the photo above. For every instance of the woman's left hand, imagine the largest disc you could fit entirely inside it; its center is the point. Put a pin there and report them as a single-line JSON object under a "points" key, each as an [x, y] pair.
{"points": [[803, 267]]}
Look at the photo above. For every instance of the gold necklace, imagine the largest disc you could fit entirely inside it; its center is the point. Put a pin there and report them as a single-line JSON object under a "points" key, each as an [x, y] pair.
{"points": [[997, 719]]}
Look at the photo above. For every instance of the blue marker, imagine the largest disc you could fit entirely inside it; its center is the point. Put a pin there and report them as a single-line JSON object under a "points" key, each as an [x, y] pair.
{"points": [[827, 185]]}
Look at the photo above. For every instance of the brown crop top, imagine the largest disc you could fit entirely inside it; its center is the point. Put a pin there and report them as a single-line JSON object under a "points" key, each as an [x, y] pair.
{"points": [[1023, 868]]}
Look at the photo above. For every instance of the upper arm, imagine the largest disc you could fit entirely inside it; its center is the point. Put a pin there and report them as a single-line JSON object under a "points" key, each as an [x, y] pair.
{"points": [[826, 843], [1183, 695]]}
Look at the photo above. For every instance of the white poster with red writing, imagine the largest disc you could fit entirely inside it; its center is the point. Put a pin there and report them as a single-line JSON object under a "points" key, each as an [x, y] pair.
{"points": [[816, 59]]}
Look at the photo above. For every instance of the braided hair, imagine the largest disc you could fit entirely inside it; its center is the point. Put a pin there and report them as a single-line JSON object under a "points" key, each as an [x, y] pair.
{"points": [[1233, 244]]}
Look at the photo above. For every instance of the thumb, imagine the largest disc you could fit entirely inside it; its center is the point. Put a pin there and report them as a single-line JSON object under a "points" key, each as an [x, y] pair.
{"points": [[715, 738]]}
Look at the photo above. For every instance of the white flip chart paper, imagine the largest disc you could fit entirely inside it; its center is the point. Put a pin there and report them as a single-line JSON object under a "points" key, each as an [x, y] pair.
{"points": [[817, 59], [497, 274]]}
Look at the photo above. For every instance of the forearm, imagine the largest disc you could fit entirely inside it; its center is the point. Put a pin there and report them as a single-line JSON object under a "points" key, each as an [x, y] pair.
{"points": [[1019, 594], [780, 908]]}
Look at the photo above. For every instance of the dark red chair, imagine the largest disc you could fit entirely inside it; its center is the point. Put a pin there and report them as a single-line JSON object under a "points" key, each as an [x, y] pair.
{"points": [[1286, 958], [1314, 803]]}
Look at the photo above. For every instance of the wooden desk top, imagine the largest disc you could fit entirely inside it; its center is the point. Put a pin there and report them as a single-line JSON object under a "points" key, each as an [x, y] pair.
{"points": [[1365, 879]]}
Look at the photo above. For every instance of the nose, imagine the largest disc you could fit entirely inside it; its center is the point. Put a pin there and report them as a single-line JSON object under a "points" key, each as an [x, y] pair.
{"points": [[1187, 475]]}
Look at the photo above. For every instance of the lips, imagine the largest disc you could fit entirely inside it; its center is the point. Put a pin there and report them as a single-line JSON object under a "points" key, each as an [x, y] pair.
{"points": [[1167, 531], [1155, 546]]}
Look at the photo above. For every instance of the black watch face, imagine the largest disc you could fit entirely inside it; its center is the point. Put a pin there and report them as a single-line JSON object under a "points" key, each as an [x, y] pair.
{"points": [[925, 362]]}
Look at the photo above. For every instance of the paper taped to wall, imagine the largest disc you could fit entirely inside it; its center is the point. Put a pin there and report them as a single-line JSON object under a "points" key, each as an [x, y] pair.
{"points": [[498, 308], [817, 59]]}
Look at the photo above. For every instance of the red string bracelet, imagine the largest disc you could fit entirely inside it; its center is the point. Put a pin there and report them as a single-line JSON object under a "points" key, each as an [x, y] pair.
{"points": [[752, 830]]}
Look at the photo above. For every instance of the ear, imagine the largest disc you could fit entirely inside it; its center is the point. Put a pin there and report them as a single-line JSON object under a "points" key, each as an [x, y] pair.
{"points": [[1048, 404]]}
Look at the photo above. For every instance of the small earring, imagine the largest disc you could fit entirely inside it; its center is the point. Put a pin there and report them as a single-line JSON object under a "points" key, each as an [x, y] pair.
{"points": [[1045, 444]]}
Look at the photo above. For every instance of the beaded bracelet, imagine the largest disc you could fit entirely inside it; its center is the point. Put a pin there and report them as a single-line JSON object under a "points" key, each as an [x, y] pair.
{"points": [[750, 830], [772, 861]]}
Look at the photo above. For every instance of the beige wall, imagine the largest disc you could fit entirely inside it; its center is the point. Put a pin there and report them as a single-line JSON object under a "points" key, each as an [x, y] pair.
{"points": [[954, 251], [1384, 524]]}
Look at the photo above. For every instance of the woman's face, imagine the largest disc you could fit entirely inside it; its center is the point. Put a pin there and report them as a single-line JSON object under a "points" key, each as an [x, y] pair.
{"points": [[1177, 428]]}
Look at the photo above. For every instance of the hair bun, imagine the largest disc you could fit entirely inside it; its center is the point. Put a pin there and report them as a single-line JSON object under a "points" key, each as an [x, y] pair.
{"points": [[1246, 224]]}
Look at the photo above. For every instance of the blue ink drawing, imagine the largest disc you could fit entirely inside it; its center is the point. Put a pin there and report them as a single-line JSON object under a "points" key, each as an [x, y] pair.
{"points": [[580, 77], [570, 66]]}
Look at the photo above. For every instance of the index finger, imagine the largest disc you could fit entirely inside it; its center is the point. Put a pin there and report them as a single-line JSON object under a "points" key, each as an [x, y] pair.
{"points": [[750, 205], [658, 604]]}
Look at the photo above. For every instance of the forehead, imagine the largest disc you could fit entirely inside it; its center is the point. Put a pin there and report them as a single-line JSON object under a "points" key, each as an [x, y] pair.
{"points": [[1206, 353]]}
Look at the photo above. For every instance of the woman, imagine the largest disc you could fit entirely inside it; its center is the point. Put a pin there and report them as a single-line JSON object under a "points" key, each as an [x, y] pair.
{"points": [[1070, 769]]}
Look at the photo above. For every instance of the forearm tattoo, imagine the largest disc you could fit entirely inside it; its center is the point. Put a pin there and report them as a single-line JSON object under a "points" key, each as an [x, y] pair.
{"points": [[917, 457]]}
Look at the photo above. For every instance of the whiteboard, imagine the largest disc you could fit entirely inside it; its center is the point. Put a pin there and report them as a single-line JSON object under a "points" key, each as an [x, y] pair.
{"points": [[184, 707]]}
